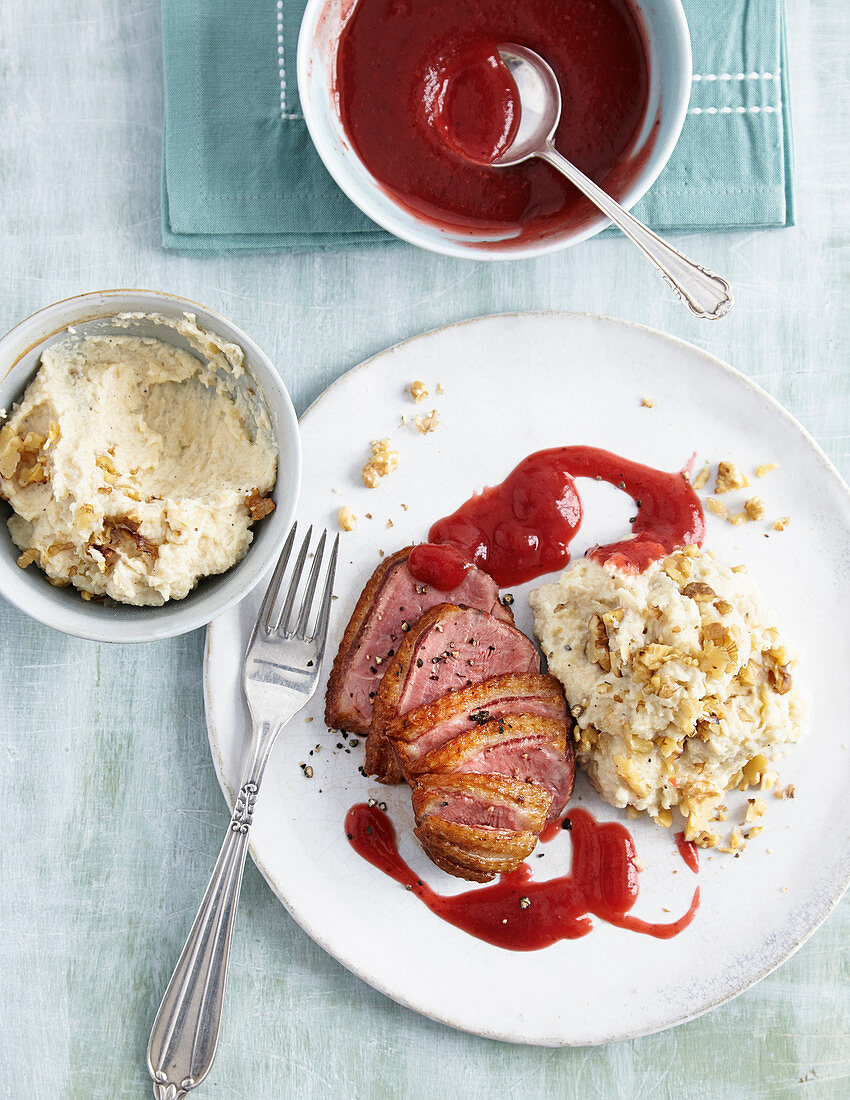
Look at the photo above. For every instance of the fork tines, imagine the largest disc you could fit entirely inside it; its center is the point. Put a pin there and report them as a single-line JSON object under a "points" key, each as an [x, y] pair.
{"points": [[279, 622]]}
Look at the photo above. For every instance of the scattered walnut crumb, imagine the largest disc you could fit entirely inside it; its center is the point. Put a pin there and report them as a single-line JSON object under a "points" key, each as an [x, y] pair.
{"points": [[729, 477], [756, 830], [737, 518], [755, 508], [382, 462], [702, 477], [427, 423], [721, 813], [347, 519], [755, 808], [781, 524], [418, 391], [27, 558], [440, 389], [766, 468], [404, 507], [646, 403], [738, 568], [717, 507], [258, 506], [784, 792], [390, 524]]}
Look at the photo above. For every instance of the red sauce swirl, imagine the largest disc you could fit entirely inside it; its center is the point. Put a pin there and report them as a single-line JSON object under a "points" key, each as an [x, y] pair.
{"points": [[523, 528], [516, 912]]}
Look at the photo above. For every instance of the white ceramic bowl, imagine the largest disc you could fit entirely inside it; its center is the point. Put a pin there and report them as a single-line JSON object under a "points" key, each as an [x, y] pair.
{"points": [[669, 46], [62, 608]]}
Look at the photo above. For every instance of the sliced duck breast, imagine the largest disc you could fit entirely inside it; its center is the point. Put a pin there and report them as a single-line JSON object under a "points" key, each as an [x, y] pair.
{"points": [[485, 801], [473, 852], [529, 748], [426, 728], [391, 602], [448, 648]]}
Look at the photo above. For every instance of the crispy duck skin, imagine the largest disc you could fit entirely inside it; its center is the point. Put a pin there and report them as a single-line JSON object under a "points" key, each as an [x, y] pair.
{"points": [[528, 748], [448, 648], [391, 602], [485, 801], [471, 852], [426, 728]]}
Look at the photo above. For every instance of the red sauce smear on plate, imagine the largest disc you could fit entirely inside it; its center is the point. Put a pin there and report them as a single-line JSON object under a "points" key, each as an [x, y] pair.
{"points": [[688, 851], [418, 96], [603, 882], [522, 528]]}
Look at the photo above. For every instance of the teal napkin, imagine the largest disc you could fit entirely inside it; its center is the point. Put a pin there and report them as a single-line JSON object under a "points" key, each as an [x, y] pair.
{"points": [[240, 173]]}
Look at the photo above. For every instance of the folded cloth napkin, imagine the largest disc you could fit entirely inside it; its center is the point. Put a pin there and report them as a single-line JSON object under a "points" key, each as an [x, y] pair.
{"points": [[240, 173]]}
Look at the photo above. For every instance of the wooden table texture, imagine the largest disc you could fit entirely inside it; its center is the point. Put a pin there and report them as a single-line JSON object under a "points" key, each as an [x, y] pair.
{"points": [[112, 814]]}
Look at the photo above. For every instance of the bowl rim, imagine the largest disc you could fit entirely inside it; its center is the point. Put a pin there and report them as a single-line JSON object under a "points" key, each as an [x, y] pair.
{"points": [[174, 617], [404, 225]]}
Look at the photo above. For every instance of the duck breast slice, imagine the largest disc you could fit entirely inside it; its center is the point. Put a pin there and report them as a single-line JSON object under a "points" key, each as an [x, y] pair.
{"points": [[528, 748], [448, 648], [486, 801], [391, 601], [472, 852], [426, 728]]}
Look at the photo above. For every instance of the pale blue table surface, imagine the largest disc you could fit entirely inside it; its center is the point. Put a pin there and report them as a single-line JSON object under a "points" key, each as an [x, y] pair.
{"points": [[111, 812]]}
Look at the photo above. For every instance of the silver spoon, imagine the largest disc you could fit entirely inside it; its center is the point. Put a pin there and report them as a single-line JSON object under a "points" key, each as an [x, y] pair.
{"points": [[703, 292]]}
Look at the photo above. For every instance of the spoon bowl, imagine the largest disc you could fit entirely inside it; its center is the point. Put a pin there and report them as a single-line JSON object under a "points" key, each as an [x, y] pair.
{"points": [[539, 99]]}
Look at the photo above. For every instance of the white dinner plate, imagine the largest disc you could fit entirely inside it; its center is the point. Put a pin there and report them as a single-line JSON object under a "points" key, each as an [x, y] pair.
{"points": [[512, 385]]}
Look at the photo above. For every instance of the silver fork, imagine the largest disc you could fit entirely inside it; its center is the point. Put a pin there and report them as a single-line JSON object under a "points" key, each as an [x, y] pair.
{"points": [[281, 673]]}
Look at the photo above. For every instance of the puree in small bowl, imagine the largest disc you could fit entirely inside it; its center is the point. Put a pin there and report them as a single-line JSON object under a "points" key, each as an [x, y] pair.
{"points": [[406, 72], [133, 466]]}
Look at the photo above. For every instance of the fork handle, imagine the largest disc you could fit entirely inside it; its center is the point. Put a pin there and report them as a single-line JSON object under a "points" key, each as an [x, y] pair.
{"points": [[185, 1033]]}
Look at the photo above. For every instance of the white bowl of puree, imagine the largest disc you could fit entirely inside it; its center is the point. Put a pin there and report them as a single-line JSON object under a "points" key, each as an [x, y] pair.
{"points": [[150, 463]]}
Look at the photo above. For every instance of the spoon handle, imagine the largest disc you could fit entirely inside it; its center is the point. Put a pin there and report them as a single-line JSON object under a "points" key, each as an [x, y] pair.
{"points": [[704, 293]]}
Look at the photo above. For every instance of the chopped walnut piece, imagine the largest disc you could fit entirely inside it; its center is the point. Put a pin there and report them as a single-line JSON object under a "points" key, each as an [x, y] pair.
{"points": [[729, 477], [346, 518], [700, 592], [781, 524], [737, 518], [597, 647], [754, 508], [258, 506], [382, 462], [427, 423], [779, 679], [717, 507], [766, 468], [28, 557], [440, 389], [11, 446], [736, 841], [702, 477], [418, 391], [784, 792], [646, 403]]}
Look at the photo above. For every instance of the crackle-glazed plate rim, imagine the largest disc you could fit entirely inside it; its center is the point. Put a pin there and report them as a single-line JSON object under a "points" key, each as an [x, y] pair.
{"points": [[336, 917]]}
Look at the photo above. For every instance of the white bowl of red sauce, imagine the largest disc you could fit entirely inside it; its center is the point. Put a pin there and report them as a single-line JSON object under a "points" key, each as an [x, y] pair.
{"points": [[382, 81]]}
